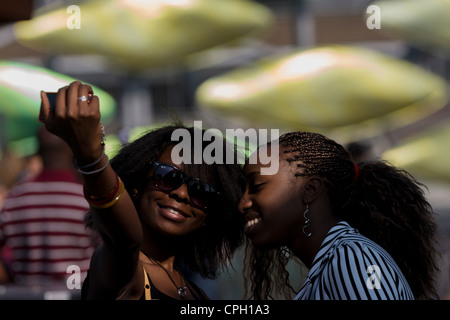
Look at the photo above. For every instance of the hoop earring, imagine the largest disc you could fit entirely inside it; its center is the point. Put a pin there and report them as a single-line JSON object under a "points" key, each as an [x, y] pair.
{"points": [[285, 253], [307, 224]]}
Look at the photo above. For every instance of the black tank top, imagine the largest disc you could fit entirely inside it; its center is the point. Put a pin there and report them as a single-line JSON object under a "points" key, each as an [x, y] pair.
{"points": [[155, 293], [198, 293]]}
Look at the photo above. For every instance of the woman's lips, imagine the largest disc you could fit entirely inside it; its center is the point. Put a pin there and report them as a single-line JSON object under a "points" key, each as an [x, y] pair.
{"points": [[173, 214]]}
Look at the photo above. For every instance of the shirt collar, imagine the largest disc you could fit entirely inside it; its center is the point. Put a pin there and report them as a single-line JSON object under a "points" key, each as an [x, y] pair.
{"points": [[331, 240]]}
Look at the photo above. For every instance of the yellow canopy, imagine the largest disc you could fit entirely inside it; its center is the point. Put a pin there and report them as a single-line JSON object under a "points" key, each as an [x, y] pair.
{"points": [[137, 34], [425, 154], [325, 88], [422, 23]]}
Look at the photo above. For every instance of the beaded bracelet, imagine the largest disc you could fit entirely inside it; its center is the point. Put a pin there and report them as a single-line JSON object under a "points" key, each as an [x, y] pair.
{"points": [[117, 196]]}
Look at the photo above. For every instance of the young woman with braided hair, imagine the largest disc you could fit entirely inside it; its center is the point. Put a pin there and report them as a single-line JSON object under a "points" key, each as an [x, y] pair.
{"points": [[364, 231]]}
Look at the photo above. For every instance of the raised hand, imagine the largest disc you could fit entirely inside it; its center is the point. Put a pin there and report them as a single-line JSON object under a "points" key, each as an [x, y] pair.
{"points": [[76, 120]]}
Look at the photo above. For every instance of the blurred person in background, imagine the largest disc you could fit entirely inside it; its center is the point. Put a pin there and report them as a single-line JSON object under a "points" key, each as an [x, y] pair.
{"points": [[5, 262], [42, 220], [365, 231], [360, 151], [156, 217]]}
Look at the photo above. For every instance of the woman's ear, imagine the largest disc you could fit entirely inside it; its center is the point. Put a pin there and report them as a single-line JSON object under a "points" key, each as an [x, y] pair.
{"points": [[313, 187]]}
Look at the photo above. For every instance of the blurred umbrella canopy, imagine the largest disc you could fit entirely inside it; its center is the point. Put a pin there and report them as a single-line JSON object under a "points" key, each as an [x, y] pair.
{"points": [[423, 24], [137, 34], [20, 86], [356, 90], [424, 154]]}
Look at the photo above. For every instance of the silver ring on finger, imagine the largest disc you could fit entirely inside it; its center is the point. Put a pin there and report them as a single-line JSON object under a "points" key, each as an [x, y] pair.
{"points": [[83, 98]]}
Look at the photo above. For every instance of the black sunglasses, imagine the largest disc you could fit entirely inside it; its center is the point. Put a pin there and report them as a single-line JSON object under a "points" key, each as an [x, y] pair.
{"points": [[168, 178]]}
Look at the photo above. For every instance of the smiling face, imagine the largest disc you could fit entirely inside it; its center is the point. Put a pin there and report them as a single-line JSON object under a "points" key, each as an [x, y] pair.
{"points": [[171, 213], [272, 205]]}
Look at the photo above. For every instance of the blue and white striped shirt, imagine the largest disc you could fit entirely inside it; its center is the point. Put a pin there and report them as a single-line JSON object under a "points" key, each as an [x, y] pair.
{"points": [[350, 266]]}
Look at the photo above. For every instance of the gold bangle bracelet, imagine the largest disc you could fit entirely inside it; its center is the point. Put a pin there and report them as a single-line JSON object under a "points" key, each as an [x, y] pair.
{"points": [[116, 199]]}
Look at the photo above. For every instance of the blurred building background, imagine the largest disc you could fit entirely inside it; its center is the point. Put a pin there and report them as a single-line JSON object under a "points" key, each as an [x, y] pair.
{"points": [[156, 60]]}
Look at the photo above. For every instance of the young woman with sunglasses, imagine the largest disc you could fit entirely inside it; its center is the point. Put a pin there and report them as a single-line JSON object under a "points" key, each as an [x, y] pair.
{"points": [[155, 217], [365, 231]]}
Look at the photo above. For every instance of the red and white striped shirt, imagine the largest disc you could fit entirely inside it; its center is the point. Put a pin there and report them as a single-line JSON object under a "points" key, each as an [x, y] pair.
{"points": [[42, 223]]}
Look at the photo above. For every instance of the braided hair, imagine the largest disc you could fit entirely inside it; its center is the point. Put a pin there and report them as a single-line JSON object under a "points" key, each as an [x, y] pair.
{"points": [[384, 203]]}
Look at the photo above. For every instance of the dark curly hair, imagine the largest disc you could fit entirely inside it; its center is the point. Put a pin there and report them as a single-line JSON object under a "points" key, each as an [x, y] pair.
{"points": [[212, 247], [385, 203]]}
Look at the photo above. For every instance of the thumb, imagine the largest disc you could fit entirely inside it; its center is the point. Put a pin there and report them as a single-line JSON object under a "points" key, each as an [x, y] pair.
{"points": [[45, 107]]}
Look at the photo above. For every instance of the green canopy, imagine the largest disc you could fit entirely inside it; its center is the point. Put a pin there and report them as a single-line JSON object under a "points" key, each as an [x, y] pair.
{"points": [[20, 86]]}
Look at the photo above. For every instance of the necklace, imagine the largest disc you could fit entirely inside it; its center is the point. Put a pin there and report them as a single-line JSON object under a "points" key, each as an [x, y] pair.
{"points": [[182, 290]]}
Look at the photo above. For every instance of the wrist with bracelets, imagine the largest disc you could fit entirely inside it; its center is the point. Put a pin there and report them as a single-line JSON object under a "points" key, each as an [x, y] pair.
{"points": [[81, 169], [111, 198], [107, 200]]}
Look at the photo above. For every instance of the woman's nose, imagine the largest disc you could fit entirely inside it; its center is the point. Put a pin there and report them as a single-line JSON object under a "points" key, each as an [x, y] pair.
{"points": [[181, 193], [244, 203]]}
